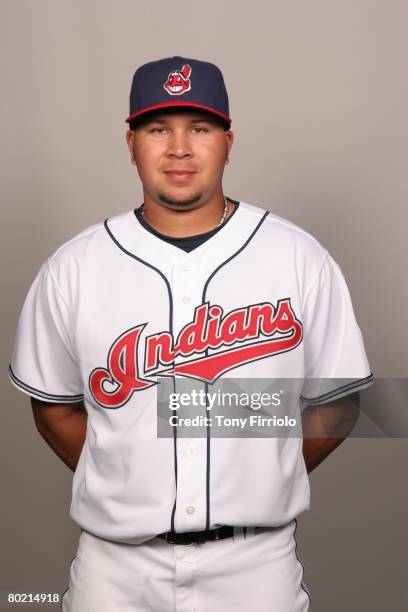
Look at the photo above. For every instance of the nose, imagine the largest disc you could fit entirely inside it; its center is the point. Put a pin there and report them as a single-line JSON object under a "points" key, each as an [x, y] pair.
{"points": [[179, 145]]}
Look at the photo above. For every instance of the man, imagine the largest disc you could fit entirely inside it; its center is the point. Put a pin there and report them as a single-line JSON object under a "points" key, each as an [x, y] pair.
{"points": [[190, 287]]}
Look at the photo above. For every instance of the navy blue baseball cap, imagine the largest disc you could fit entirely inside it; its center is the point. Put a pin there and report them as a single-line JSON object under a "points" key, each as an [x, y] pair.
{"points": [[178, 81]]}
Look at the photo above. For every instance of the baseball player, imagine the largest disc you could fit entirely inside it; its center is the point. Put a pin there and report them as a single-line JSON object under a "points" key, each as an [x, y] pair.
{"points": [[190, 286]]}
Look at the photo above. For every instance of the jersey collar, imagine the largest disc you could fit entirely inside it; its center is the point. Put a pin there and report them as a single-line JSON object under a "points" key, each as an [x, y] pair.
{"points": [[137, 241]]}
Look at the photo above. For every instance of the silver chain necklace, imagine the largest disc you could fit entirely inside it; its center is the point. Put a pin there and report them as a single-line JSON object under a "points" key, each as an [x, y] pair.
{"points": [[222, 218]]}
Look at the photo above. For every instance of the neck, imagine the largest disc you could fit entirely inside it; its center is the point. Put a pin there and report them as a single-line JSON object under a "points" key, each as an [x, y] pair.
{"points": [[202, 218]]}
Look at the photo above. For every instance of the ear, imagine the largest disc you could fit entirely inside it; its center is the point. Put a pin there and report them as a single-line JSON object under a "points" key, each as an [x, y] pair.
{"points": [[229, 139], [130, 139]]}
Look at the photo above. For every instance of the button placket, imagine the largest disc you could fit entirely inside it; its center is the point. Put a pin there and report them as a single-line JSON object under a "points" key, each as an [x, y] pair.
{"points": [[184, 296], [190, 512], [191, 484]]}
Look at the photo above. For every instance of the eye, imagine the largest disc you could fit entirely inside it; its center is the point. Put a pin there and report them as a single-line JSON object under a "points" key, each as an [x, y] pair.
{"points": [[201, 129], [160, 130]]}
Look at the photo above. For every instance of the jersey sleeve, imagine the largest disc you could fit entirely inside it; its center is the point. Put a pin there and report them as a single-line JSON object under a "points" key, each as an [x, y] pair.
{"points": [[43, 362], [336, 363]]}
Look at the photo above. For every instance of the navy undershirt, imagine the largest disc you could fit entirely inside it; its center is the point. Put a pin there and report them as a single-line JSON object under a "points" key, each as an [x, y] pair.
{"points": [[187, 243]]}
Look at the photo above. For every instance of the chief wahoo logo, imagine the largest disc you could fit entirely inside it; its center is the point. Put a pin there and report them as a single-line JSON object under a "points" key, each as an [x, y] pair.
{"points": [[178, 82]]}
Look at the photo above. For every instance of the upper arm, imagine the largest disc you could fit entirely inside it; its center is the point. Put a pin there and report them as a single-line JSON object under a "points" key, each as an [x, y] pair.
{"points": [[44, 363], [334, 419], [46, 413], [336, 363]]}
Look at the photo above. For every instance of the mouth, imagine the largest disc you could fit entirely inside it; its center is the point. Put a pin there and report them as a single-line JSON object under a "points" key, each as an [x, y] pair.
{"points": [[180, 175]]}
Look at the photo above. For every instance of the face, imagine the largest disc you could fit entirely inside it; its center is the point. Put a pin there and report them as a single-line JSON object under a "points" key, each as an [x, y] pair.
{"points": [[180, 156]]}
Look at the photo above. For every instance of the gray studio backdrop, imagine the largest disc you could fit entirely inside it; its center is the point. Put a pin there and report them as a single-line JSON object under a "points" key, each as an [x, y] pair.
{"points": [[318, 97]]}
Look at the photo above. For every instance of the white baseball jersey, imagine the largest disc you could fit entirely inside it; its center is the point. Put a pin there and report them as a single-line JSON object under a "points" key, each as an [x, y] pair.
{"points": [[116, 305]]}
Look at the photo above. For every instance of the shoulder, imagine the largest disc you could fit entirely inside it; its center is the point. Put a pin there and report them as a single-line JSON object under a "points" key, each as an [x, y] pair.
{"points": [[282, 234], [83, 251], [85, 241]]}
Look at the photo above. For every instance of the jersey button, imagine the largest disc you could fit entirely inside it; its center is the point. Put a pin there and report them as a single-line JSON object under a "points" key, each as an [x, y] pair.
{"points": [[186, 299], [180, 554], [190, 509]]}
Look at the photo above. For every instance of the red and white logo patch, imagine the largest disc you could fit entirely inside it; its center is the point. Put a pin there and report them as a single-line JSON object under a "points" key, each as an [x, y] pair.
{"points": [[178, 82]]}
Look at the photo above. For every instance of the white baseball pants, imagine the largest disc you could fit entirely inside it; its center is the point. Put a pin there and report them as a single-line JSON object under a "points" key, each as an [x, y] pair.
{"points": [[256, 570]]}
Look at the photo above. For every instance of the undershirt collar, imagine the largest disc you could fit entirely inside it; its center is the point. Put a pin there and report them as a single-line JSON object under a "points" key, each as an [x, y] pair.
{"points": [[187, 243]]}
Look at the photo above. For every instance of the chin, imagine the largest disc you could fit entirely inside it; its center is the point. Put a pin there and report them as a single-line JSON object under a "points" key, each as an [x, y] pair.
{"points": [[172, 200]]}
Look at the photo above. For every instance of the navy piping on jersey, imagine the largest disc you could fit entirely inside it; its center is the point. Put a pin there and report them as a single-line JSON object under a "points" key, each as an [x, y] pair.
{"points": [[213, 273], [175, 465], [51, 396], [347, 387], [142, 261], [306, 590]]}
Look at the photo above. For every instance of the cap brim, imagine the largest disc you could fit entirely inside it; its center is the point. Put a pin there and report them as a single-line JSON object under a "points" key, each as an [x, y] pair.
{"points": [[172, 104]]}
